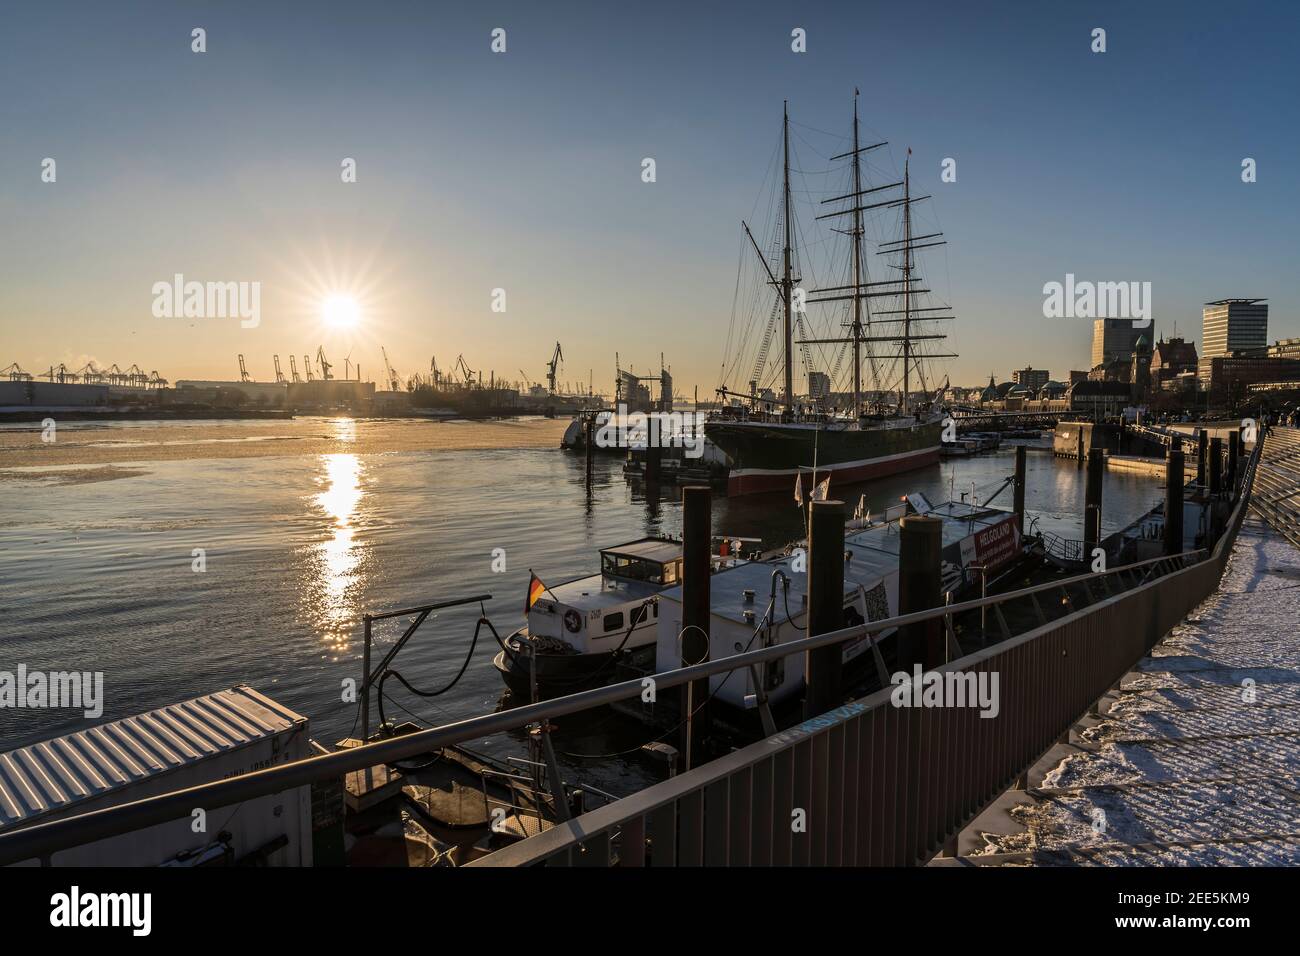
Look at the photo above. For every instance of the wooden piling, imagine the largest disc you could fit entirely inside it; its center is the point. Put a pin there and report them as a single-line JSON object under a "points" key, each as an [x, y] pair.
{"points": [[1234, 448], [1174, 499], [1018, 501], [1092, 500], [920, 587], [1216, 466], [823, 666]]}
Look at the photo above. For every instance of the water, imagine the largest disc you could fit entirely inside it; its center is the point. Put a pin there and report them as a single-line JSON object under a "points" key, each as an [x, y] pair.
{"points": [[306, 525]]}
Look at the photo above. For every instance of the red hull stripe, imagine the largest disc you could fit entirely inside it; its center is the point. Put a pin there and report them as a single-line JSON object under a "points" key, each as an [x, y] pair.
{"points": [[757, 482]]}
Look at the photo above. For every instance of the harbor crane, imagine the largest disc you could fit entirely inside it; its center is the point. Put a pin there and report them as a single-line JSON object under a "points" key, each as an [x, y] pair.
{"points": [[243, 372], [394, 382], [293, 369], [325, 366], [279, 375], [306, 365], [556, 359], [16, 374], [464, 369]]}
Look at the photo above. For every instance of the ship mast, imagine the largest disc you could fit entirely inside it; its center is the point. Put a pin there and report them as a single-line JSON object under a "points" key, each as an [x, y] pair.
{"points": [[787, 284], [907, 280], [862, 290], [857, 269]]}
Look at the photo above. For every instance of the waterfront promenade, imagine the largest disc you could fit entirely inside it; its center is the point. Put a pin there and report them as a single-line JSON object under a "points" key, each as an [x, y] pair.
{"points": [[1195, 759]]}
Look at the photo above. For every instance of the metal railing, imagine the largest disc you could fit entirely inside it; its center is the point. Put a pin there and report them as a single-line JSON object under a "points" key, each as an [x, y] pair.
{"points": [[1101, 641], [878, 784], [1277, 482]]}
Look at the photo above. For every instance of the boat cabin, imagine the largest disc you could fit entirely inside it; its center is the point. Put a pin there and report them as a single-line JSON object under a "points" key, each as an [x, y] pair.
{"points": [[592, 614]]}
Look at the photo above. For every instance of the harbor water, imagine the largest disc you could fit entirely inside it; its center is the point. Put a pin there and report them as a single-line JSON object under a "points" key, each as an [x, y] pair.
{"points": [[180, 559]]}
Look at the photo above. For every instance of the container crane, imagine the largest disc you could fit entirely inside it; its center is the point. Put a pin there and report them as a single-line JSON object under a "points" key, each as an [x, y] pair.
{"points": [[325, 366], [293, 369], [306, 365], [279, 375], [16, 374], [243, 372]]}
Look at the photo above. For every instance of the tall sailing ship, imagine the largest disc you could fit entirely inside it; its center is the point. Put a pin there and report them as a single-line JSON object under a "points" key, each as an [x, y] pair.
{"points": [[768, 439]]}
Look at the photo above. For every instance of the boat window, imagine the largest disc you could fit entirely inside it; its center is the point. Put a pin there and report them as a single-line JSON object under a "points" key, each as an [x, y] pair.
{"points": [[613, 622], [672, 573], [633, 569]]}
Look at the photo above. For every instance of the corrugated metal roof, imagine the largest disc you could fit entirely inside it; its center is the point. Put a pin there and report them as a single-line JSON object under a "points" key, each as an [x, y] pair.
{"points": [[55, 774]]}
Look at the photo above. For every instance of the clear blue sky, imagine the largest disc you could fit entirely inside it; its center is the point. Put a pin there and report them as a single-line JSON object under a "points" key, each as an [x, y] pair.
{"points": [[522, 170]]}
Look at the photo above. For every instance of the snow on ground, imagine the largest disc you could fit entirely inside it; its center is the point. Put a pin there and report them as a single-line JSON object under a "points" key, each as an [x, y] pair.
{"points": [[1203, 745]]}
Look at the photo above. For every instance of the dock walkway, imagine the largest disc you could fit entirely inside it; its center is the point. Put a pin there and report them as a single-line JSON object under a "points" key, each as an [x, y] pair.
{"points": [[1196, 759]]}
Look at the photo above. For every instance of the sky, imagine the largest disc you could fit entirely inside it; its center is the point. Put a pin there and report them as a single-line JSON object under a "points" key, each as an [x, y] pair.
{"points": [[522, 171]]}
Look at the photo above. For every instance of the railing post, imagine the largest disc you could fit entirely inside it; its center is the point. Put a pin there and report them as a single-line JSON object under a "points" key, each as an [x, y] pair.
{"points": [[1092, 501], [920, 583], [696, 530], [1019, 491], [823, 665], [1174, 500]]}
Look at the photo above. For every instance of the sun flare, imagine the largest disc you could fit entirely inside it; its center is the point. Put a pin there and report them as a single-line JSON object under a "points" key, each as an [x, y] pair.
{"points": [[341, 312]]}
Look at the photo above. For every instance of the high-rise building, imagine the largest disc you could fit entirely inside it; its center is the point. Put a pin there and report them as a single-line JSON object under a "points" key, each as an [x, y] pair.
{"points": [[1233, 325], [1032, 378], [819, 385], [1113, 340]]}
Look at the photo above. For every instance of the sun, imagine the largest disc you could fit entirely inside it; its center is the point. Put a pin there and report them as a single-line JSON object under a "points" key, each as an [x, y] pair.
{"points": [[341, 311]]}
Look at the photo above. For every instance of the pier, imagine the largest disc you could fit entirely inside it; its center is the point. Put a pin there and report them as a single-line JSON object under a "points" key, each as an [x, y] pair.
{"points": [[885, 779], [1187, 762]]}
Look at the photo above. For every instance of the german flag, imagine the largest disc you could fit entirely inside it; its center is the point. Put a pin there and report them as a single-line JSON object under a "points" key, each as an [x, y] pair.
{"points": [[535, 590]]}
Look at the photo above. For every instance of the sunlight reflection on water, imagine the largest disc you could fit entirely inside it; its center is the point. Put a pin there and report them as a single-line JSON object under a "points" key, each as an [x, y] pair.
{"points": [[337, 566]]}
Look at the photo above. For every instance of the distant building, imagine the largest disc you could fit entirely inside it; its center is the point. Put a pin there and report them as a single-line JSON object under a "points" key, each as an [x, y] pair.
{"points": [[1077, 376], [1226, 377], [1139, 376], [1116, 370], [819, 386], [630, 391], [1285, 348], [263, 394], [1112, 340], [1172, 357], [1233, 325], [1099, 399], [1031, 378]]}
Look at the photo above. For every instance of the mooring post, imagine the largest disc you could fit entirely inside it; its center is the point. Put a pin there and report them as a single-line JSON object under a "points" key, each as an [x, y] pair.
{"points": [[1092, 500], [1174, 499], [1234, 446], [1018, 491], [696, 534], [1201, 437], [1216, 466], [822, 666], [1082, 453], [653, 455], [920, 586], [589, 441]]}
